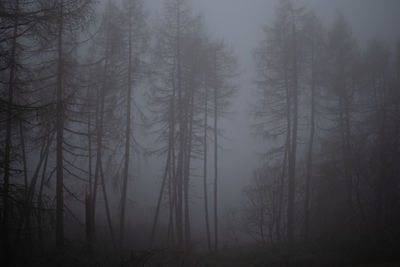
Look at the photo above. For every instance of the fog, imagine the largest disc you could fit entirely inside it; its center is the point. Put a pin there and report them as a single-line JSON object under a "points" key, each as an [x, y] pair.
{"points": [[121, 119], [240, 24]]}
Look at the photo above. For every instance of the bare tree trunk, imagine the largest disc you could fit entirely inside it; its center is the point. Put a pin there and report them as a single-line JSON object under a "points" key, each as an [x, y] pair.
{"points": [[179, 185], [88, 218], [89, 132], [28, 205], [99, 141], [215, 157], [25, 171], [205, 170], [292, 154], [187, 169], [23, 150], [285, 154], [172, 170], [40, 200], [99, 137], [171, 202], [348, 152], [40, 195], [127, 135], [173, 178], [60, 138], [179, 174], [7, 150], [106, 205], [282, 188], [310, 150], [160, 195], [89, 194]]}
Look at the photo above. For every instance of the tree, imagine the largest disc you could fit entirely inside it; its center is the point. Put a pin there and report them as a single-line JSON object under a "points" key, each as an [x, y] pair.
{"points": [[20, 21], [261, 199], [173, 102], [380, 84], [342, 57], [109, 49], [315, 57], [278, 61], [71, 15], [10, 100], [136, 47], [188, 65], [224, 69]]}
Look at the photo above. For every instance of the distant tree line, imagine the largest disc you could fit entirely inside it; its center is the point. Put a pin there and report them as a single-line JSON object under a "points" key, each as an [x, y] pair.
{"points": [[68, 76], [330, 110]]}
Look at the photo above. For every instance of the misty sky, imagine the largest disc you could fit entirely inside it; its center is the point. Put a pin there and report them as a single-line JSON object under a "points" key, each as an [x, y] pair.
{"points": [[240, 24]]}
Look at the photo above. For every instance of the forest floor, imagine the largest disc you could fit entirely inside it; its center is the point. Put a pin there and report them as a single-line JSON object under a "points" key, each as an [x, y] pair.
{"points": [[251, 255]]}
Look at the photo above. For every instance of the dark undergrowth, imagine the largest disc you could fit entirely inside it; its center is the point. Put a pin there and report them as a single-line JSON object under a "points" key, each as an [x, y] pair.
{"points": [[78, 255]]}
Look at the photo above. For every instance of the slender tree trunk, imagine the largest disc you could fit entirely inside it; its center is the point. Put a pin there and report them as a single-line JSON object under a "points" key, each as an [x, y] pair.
{"points": [[100, 99], [179, 182], [310, 151], [159, 200], [7, 150], [172, 170], [106, 205], [28, 205], [292, 154], [25, 171], [348, 149], [180, 187], [282, 189], [88, 218], [127, 134], [171, 202], [179, 174], [39, 199], [285, 153], [205, 170], [23, 150], [99, 141], [187, 170], [60, 138], [215, 157], [89, 194], [89, 132]]}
